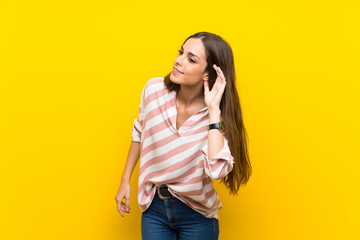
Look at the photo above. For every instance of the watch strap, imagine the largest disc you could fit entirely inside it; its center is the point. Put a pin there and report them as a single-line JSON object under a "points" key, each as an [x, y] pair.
{"points": [[217, 125]]}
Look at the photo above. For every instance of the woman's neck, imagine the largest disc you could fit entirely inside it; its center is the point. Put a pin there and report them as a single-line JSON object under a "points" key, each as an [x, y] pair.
{"points": [[188, 95]]}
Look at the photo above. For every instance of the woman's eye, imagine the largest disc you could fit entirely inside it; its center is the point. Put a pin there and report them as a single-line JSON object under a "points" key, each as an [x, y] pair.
{"points": [[190, 59]]}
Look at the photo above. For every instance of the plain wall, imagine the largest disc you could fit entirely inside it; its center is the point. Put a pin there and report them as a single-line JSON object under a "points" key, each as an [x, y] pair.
{"points": [[71, 76]]}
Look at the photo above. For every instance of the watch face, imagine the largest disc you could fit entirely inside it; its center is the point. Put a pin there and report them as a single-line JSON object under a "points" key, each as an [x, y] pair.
{"points": [[222, 127]]}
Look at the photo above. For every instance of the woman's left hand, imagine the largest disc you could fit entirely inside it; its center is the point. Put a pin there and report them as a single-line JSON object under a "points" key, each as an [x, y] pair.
{"points": [[213, 97]]}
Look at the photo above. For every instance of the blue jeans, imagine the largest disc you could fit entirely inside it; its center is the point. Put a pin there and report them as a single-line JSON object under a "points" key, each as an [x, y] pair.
{"points": [[170, 219]]}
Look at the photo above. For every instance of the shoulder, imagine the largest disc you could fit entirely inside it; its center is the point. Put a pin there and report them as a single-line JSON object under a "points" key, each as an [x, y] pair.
{"points": [[158, 81], [154, 85]]}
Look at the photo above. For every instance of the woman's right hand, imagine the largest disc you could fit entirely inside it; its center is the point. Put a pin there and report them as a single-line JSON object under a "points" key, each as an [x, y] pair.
{"points": [[123, 193], [124, 189]]}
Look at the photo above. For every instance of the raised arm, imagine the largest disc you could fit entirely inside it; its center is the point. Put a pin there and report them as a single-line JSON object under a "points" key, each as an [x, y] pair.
{"points": [[218, 159]]}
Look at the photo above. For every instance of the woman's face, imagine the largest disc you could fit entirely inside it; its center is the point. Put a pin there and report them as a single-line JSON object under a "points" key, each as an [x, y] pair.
{"points": [[189, 65]]}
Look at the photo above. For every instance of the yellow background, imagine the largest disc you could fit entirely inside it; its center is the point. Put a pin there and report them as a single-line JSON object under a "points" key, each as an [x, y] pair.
{"points": [[71, 75]]}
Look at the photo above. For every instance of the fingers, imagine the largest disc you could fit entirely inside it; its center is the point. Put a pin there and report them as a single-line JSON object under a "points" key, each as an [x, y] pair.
{"points": [[206, 86], [218, 87], [127, 204], [220, 82], [123, 206], [120, 208], [220, 74], [122, 198]]}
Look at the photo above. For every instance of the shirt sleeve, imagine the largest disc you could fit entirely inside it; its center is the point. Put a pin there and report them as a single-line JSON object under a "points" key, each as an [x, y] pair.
{"points": [[222, 163], [138, 123]]}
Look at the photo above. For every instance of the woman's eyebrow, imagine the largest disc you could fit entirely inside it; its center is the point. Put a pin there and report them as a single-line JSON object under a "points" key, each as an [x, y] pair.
{"points": [[190, 53]]}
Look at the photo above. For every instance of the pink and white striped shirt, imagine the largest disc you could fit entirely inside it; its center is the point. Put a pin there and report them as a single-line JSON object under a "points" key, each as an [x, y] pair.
{"points": [[177, 158]]}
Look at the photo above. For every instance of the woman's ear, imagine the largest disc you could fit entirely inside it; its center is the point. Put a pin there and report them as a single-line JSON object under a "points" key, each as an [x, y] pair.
{"points": [[206, 77]]}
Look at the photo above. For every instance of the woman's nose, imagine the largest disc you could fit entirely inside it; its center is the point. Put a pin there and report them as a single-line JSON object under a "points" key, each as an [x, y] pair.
{"points": [[178, 61]]}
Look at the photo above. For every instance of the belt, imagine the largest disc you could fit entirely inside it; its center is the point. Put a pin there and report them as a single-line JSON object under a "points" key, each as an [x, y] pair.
{"points": [[163, 192]]}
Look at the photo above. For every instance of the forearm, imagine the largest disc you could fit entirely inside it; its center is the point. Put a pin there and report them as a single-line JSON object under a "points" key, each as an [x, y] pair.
{"points": [[132, 158], [215, 137]]}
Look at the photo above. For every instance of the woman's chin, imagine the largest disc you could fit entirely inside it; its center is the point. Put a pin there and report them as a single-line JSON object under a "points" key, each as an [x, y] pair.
{"points": [[174, 78]]}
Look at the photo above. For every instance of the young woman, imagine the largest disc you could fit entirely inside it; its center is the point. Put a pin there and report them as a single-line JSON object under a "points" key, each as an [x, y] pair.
{"points": [[189, 131]]}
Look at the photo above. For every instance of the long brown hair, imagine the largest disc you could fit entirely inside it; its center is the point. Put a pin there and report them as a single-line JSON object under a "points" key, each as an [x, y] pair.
{"points": [[219, 52]]}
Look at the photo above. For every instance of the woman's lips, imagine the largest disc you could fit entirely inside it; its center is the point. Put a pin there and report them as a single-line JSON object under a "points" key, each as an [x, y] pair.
{"points": [[175, 71]]}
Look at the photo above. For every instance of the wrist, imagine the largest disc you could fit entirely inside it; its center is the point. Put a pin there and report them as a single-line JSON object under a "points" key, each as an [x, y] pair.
{"points": [[125, 179], [214, 115]]}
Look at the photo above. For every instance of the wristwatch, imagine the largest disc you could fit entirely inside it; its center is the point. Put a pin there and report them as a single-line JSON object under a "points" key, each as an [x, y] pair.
{"points": [[218, 125]]}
